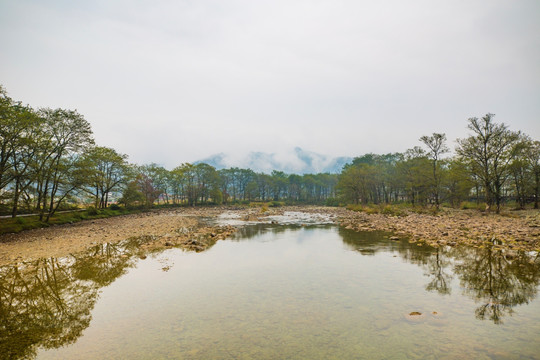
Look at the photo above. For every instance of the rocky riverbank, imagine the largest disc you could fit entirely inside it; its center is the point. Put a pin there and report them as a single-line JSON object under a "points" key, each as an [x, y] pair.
{"points": [[518, 230], [198, 228], [175, 227]]}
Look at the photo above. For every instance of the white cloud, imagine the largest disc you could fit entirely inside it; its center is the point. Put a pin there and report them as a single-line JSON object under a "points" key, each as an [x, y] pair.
{"points": [[176, 81]]}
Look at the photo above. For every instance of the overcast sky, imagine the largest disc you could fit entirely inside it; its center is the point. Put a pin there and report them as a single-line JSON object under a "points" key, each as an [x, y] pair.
{"points": [[176, 81]]}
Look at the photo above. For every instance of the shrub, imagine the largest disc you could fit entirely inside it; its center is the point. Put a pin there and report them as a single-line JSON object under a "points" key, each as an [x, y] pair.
{"points": [[115, 207], [332, 202], [92, 211], [393, 211], [472, 205]]}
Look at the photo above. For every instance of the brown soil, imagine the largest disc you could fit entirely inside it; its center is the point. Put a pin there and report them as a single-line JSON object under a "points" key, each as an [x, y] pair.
{"points": [[183, 227]]}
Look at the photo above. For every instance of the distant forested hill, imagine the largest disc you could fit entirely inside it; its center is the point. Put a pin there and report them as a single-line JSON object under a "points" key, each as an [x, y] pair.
{"points": [[297, 161]]}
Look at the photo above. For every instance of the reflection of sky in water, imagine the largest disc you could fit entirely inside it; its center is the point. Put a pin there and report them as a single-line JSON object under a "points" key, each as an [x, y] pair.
{"points": [[309, 292]]}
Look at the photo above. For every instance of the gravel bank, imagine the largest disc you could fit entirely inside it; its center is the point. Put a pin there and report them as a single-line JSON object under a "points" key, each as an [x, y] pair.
{"points": [[189, 228]]}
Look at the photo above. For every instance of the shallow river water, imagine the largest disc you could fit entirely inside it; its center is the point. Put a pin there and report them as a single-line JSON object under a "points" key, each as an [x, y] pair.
{"points": [[274, 292]]}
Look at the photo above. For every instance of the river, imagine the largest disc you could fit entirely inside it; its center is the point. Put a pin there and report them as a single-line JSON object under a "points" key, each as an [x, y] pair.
{"points": [[274, 292]]}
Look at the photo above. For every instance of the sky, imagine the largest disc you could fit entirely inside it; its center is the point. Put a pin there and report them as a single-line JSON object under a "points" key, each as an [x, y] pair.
{"points": [[177, 81]]}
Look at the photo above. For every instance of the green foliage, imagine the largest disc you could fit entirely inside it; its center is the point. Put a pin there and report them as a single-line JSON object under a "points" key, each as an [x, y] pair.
{"points": [[334, 202], [48, 162], [390, 210], [132, 196], [468, 205], [92, 211], [14, 225], [393, 211], [217, 196]]}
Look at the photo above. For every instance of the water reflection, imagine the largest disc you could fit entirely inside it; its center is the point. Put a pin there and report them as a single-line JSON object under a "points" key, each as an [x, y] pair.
{"points": [[486, 274], [48, 303], [497, 283], [249, 232]]}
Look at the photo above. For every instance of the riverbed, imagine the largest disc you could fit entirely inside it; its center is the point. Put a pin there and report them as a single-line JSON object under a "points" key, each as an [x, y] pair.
{"points": [[303, 288]]}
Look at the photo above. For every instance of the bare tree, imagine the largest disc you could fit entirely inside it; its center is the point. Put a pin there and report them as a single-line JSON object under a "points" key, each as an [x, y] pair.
{"points": [[488, 152], [436, 144]]}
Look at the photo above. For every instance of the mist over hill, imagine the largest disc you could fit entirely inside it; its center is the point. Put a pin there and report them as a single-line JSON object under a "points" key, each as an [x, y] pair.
{"points": [[297, 161]]}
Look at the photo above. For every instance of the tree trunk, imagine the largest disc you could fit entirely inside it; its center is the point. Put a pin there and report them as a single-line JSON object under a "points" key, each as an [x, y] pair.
{"points": [[15, 199]]}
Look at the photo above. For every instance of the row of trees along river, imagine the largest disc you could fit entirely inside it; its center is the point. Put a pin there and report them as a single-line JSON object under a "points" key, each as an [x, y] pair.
{"points": [[49, 161]]}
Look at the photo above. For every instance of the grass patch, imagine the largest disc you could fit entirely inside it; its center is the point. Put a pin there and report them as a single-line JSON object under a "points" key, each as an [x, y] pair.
{"points": [[18, 224], [469, 205], [390, 210]]}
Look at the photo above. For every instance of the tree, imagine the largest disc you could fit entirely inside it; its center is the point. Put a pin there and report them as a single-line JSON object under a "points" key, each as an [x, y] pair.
{"points": [[159, 177], [105, 171], [26, 145], [534, 159], [15, 120], [414, 171], [521, 170], [279, 184], [152, 181], [132, 194], [436, 147], [67, 134], [488, 152], [457, 182], [355, 182]]}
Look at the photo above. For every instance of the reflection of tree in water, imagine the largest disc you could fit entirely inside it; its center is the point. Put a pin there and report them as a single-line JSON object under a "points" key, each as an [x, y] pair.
{"points": [[436, 266], [496, 282], [104, 263], [434, 261], [486, 274], [47, 303], [249, 232]]}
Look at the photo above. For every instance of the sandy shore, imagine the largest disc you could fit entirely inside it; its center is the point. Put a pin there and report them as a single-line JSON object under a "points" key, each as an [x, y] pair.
{"points": [[184, 227]]}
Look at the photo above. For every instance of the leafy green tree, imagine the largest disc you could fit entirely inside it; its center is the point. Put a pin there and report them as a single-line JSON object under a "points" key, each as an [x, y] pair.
{"points": [[26, 148], [355, 182], [457, 182], [9, 134], [414, 171], [534, 159], [67, 134], [521, 170], [132, 195], [279, 184], [156, 180], [207, 180], [105, 171], [264, 186]]}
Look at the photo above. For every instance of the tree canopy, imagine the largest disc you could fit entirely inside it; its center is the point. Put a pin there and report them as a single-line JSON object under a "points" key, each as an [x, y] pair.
{"points": [[49, 161]]}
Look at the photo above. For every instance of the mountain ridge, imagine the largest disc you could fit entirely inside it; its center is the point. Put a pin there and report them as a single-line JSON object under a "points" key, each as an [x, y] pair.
{"points": [[297, 161]]}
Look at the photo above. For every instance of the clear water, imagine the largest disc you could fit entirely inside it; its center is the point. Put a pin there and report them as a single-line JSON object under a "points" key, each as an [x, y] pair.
{"points": [[274, 292]]}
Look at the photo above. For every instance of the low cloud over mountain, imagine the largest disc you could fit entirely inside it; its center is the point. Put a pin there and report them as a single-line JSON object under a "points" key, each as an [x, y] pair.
{"points": [[297, 161]]}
